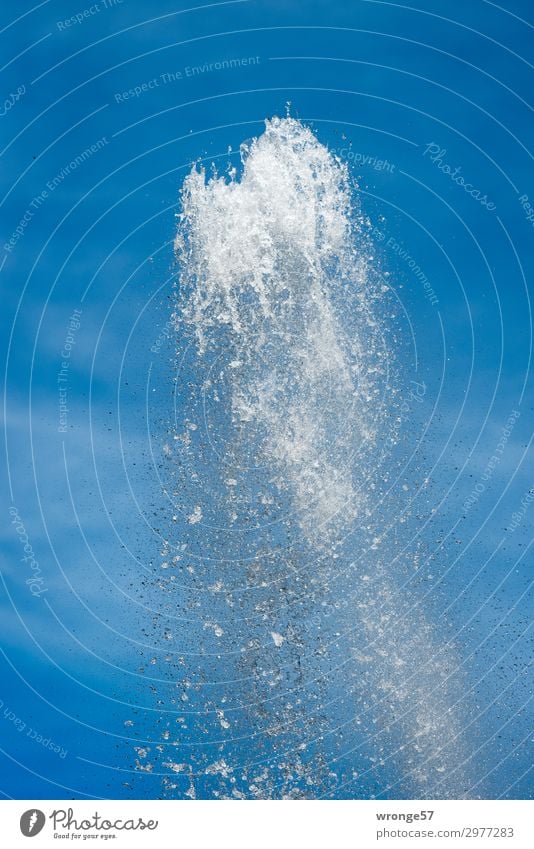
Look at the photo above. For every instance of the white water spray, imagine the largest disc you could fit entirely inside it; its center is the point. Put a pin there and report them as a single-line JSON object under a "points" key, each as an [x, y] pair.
{"points": [[268, 260], [277, 288]]}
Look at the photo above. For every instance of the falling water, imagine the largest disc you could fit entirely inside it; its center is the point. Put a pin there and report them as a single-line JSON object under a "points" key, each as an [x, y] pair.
{"points": [[335, 678]]}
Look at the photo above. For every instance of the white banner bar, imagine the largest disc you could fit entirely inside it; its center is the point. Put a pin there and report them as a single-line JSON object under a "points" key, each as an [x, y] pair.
{"points": [[269, 824]]}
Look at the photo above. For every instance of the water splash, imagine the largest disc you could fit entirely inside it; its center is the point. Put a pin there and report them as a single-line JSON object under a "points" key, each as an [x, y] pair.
{"points": [[285, 434], [267, 263]]}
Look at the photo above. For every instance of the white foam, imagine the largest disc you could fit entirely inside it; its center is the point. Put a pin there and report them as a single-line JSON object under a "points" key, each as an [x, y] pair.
{"points": [[264, 259]]}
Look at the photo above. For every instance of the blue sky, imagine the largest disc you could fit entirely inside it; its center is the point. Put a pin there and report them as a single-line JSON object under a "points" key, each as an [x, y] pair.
{"points": [[426, 90]]}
